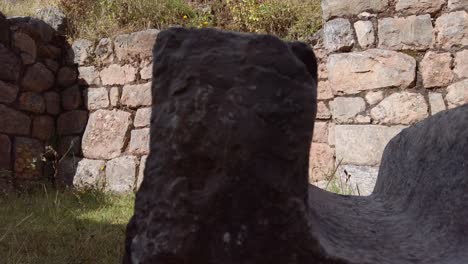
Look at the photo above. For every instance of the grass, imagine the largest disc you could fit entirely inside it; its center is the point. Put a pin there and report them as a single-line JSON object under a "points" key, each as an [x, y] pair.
{"points": [[94, 19], [336, 183], [53, 227]]}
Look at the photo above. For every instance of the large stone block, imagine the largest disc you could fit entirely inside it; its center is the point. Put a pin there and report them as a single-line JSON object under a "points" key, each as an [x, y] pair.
{"points": [[346, 109], [413, 32], [10, 64], [121, 174], [43, 127], [457, 94], [338, 35], [458, 4], [322, 162], [143, 117], [135, 46], [54, 17], [139, 142], [362, 144], [25, 44], [82, 50], [320, 132], [89, 174], [401, 108], [461, 64], [105, 135], [351, 73], [96, 98], [14, 122], [118, 75], [32, 102], [334, 8], [365, 33], [419, 6], [52, 101], [324, 91], [136, 95], [28, 158], [72, 122], [437, 103], [436, 69], [8, 92], [5, 153], [38, 78], [452, 30], [89, 76]]}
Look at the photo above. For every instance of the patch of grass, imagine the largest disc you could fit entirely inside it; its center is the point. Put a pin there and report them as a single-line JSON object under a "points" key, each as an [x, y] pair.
{"points": [[336, 183], [63, 227], [24, 7]]}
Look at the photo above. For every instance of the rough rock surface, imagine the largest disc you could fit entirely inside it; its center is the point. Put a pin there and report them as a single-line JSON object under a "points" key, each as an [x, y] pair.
{"points": [[400, 108], [413, 32], [338, 35], [332, 8]]}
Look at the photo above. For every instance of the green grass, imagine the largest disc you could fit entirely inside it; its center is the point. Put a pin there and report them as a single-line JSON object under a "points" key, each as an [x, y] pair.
{"points": [[63, 227]]}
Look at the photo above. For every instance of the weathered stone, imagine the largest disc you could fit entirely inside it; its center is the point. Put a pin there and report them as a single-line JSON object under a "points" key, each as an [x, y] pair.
{"points": [[452, 29], [5, 153], [96, 98], [323, 112], [34, 27], [365, 33], [121, 174], [54, 17], [352, 73], [72, 98], [83, 50], [461, 64], [323, 71], [141, 171], [436, 69], [105, 134], [136, 95], [14, 122], [362, 144], [359, 179], [143, 117], [32, 102], [419, 6], [458, 4], [70, 146], [28, 158], [331, 134], [116, 74], [89, 174], [324, 91], [10, 65], [436, 102], [320, 132], [401, 108], [362, 119], [52, 102], [104, 51], [38, 78], [338, 35], [72, 122], [66, 76], [334, 8], [402, 33], [8, 92], [134, 46], [322, 162], [345, 109], [52, 65], [457, 94], [114, 96], [26, 44], [373, 98], [49, 52], [139, 142], [146, 72], [43, 128], [89, 76]]}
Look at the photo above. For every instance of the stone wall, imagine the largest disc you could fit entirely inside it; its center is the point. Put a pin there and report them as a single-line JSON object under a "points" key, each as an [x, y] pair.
{"points": [[36, 70], [384, 65]]}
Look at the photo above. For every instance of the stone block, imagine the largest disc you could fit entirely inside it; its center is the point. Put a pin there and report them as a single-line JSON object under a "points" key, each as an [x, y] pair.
{"points": [[346, 109], [322, 162], [121, 174], [38, 78], [138, 45], [32, 102], [351, 73], [146, 72], [401, 108], [136, 95], [89, 76], [89, 174], [139, 142], [461, 64], [114, 96], [5, 153], [118, 75], [105, 135], [52, 101], [72, 123], [141, 172], [334, 8], [457, 94], [14, 122], [83, 50], [10, 65], [104, 51], [324, 91], [338, 35], [26, 44], [323, 112], [43, 127], [373, 98], [437, 103], [331, 134], [8, 92], [365, 33], [362, 144], [143, 117], [419, 6], [54, 17], [436, 69], [66, 76], [452, 30], [72, 98], [96, 98], [403, 33], [458, 4], [51, 65], [28, 158], [320, 132]]}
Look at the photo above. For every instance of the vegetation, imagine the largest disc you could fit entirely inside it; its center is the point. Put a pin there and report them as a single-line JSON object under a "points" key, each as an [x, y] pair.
{"points": [[57, 227], [93, 19]]}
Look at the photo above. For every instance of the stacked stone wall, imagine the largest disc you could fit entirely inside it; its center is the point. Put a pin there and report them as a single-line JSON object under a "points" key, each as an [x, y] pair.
{"points": [[384, 65]]}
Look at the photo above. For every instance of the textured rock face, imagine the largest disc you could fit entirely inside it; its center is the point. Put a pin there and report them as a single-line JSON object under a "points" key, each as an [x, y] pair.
{"points": [[419, 6], [436, 69], [193, 193], [14, 122], [333, 8], [457, 94], [401, 108], [338, 35], [365, 33], [120, 174], [452, 29], [413, 32], [133, 45]]}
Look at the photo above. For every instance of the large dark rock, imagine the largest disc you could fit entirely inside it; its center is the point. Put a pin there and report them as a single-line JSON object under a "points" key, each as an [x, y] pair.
{"points": [[226, 179]]}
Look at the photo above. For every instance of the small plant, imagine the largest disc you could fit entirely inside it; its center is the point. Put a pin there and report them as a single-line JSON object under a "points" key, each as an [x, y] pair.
{"points": [[338, 185]]}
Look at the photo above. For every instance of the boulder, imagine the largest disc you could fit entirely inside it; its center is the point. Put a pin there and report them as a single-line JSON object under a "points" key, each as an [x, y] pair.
{"points": [[54, 17], [10, 64]]}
